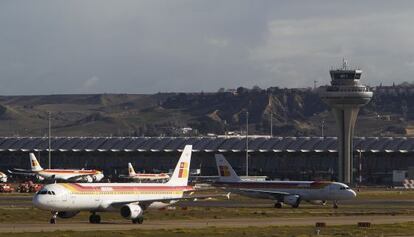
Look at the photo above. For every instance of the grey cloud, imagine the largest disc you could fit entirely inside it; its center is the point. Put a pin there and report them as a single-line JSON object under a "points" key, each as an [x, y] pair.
{"points": [[150, 46]]}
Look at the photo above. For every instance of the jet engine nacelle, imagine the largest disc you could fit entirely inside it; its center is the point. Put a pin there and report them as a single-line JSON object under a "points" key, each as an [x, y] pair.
{"points": [[67, 214], [131, 211], [87, 179], [292, 200], [97, 177], [318, 202]]}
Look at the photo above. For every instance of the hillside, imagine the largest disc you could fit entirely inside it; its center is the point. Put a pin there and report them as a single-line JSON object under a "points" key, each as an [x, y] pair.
{"points": [[295, 113]]}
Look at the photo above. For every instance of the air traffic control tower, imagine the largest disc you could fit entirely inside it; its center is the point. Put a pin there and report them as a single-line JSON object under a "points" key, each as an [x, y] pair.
{"points": [[345, 95]]}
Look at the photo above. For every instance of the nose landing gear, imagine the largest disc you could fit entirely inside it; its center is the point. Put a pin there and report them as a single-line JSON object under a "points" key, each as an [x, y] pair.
{"points": [[54, 216], [335, 204]]}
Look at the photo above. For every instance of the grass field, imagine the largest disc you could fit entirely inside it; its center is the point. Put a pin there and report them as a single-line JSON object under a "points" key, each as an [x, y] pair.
{"points": [[405, 229]]}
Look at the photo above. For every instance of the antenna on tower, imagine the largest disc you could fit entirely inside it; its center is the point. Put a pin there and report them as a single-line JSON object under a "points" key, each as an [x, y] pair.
{"points": [[344, 64]]}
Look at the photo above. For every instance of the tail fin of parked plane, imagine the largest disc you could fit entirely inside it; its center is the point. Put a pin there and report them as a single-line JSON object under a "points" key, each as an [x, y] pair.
{"points": [[34, 163], [131, 171], [225, 171], [182, 170]]}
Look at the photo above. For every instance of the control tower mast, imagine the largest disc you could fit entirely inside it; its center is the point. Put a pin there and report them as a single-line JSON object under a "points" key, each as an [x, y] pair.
{"points": [[345, 95]]}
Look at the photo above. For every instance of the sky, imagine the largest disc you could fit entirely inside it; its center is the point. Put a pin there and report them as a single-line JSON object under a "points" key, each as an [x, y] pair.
{"points": [[122, 46]]}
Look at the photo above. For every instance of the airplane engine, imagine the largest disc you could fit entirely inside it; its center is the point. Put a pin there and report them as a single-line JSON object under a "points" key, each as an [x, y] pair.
{"points": [[131, 211], [87, 179], [318, 202], [67, 214], [97, 177], [292, 200], [39, 178]]}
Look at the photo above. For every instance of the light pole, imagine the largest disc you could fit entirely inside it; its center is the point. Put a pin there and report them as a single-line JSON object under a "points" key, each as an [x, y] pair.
{"points": [[247, 143], [50, 155], [271, 124], [322, 127], [360, 167]]}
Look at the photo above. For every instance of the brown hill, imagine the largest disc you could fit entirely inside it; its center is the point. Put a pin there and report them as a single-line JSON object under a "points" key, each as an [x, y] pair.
{"points": [[295, 113]]}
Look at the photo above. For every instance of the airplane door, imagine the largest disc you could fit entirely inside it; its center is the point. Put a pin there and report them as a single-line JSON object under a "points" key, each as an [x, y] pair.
{"points": [[65, 200], [97, 196]]}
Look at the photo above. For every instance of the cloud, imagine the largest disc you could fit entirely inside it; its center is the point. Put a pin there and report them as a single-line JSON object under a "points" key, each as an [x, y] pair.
{"points": [[295, 51], [217, 42], [90, 83], [149, 46]]}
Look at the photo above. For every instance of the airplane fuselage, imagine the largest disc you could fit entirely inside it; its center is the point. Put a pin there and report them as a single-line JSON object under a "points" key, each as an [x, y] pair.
{"points": [[307, 190], [100, 197], [67, 174]]}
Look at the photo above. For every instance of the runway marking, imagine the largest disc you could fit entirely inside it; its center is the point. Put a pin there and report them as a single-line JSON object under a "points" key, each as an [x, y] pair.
{"points": [[204, 223]]}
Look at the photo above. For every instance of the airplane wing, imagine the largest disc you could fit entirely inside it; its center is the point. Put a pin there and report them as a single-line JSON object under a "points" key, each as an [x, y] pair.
{"points": [[190, 197], [265, 193], [22, 172], [76, 177]]}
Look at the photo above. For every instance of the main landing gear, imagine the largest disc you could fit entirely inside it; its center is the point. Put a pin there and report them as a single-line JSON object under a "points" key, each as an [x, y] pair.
{"points": [[139, 220], [335, 204], [278, 205], [54, 216], [94, 218]]}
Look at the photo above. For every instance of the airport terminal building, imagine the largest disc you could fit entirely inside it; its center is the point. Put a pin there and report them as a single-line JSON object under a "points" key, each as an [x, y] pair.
{"points": [[375, 158]]}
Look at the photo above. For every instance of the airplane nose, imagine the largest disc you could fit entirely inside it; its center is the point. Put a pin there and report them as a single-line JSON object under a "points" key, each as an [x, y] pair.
{"points": [[36, 201], [39, 201], [352, 193]]}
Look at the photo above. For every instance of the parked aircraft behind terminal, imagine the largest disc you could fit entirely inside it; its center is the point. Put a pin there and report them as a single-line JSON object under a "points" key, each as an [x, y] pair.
{"points": [[143, 177], [58, 174], [130, 199], [288, 192]]}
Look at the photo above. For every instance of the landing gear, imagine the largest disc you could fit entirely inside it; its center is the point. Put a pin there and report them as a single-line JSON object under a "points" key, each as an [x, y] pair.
{"points": [[296, 205], [278, 205], [94, 219], [335, 204], [54, 216], [139, 220]]}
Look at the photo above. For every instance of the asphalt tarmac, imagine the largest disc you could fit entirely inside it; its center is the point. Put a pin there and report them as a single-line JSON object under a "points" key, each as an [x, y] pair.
{"points": [[11, 201], [204, 223], [26, 201]]}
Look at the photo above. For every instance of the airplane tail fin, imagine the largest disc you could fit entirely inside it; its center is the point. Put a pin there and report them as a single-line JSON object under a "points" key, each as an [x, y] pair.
{"points": [[182, 170], [225, 171], [131, 171], [35, 166]]}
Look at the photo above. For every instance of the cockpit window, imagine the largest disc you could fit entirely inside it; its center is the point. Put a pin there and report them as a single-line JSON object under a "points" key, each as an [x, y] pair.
{"points": [[43, 192], [343, 188]]}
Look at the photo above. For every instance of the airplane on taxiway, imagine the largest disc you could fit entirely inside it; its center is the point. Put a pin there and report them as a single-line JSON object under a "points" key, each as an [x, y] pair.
{"points": [[141, 177], [288, 192], [130, 199], [72, 175]]}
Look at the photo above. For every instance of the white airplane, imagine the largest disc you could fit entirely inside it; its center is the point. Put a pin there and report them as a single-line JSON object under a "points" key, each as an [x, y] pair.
{"points": [[288, 192], [130, 199], [58, 174], [3, 177], [143, 176]]}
